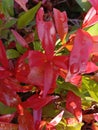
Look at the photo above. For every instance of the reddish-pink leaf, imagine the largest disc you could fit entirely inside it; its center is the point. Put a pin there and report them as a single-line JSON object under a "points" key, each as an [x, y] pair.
{"points": [[37, 102], [46, 32], [94, 4], [95, 116], [73, 105], [7, 118], [80, 53], [22, 4], [19, 38], [91, 67], [57, 119], [26, 121], [3, 57], [8, 126], [60, 23], [91, 18]]}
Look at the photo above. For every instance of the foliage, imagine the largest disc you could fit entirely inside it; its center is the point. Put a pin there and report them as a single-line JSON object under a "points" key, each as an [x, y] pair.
{"points": [[48, 66]]}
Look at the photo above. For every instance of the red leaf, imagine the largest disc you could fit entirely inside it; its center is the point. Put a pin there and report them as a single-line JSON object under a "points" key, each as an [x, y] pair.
{"points": [[94, 4], [19, 38], [50, 77], [60, 23], [37, 102], [22, 3], [4, 73], [73, 105], [91, 18], [91, 67], [61, 61], [8, 94], [46, 32], [7, 118], [36, 58], [8, 126], [57, 119], [3, 57], [80, 53], [26, 121]]}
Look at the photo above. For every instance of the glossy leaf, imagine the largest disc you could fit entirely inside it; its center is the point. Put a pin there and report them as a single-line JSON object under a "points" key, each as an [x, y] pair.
{"points": [[19, 38], [94, 4], [3, 57], [11, 54], [73, 105], [26, 18], [90, 19], [22, 3], [82, 45], [60, 23], [46, 33], [57, 119]]}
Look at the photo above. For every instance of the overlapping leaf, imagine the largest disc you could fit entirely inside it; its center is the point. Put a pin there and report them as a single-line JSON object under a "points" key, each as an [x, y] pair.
{"points": [[46, 32], [60, 23], [73, 105], [22, 3]]}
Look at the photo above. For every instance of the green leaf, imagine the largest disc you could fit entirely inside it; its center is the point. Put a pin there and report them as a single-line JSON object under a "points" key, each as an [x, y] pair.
{"points": [[10, 23], [11, 54], [93, 30], [92, 87], [37, 45], [8, 7], [84, 4], [65, 86], [5, 109], [20, 49], [74, 127], [27, 17]]}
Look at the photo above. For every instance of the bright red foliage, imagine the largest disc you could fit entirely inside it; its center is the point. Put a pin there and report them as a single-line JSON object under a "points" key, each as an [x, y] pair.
{"points": [[41, 69]]}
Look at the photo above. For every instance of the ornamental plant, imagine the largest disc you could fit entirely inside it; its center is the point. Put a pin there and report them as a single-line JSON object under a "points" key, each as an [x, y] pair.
{"points": [[48, 72]]}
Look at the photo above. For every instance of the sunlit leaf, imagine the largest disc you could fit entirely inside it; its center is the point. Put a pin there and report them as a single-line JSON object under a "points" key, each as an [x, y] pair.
{"points": [[92, 87], [93, 30]]}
